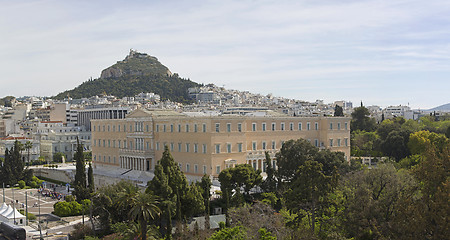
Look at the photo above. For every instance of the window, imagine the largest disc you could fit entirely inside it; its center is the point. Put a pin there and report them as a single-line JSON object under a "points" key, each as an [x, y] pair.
{"points": [[253, 127], [103, 128], [131, 128], [118, 143], [187, 147], [229, 148], [171, 146], [146, 128], [124, 128], [204, 148], [164, 128], [118, 128], [331, 126], [114, 128], [217, 148], [187, 127], [195, 147], [239, 127], [195, 168], [179, 147], [195, 128], [180, 166], [171, 127], [346, 125], [264, 145], [94, 128], [331, 142], [188, 167], [157, 146], [316, 126], [125, 144], [104, 143], [299, 126], [339, 126], [264, 126], [217, 169], [204, 127], [157, 128], [308, 126], [239, 145], [339, 142], [217, 127], [109, 143], [114, 143], [346, 141], [291, 126], [179, 128], [273, 126], [204, 169], [316, 142], [274, 144], [253, 146], [282, 126], [228, 127]]}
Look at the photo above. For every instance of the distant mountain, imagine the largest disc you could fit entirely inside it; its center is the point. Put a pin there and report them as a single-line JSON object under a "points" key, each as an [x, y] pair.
{"points": [[138, 72], [444, 108]]}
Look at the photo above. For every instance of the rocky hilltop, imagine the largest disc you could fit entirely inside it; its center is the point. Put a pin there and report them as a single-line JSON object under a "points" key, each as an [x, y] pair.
{"points": [[136, 64], [138, 72]]}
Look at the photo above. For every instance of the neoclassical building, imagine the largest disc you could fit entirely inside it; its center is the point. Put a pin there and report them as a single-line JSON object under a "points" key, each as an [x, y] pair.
{"points": [[204, 144]]}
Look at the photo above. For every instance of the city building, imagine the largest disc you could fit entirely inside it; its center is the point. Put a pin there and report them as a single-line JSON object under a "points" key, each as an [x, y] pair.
{"points": [[85, 115], [206, 144]]}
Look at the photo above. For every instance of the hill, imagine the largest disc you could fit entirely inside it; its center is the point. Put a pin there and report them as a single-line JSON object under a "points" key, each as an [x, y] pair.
{"points": [[444, 108], [138, 72]]}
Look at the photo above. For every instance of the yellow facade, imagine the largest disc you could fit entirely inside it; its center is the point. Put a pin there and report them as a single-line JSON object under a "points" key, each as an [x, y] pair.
{"points": [[207, 144]]}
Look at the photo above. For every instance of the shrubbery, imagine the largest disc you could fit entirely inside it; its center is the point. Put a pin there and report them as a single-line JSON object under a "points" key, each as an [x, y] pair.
{"points": [[72, 208]]}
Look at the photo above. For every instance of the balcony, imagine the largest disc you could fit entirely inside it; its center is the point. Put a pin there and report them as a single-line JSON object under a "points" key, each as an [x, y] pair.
{"points": [[260, 154], [137, 153]]}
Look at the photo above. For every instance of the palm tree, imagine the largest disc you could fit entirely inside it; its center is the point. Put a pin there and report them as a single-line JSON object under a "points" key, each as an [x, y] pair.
{"points": [[28, 145], [144, 208]]}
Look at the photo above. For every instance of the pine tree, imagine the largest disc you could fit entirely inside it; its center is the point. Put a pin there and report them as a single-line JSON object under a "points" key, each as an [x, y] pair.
{"points": [[81, 192]]}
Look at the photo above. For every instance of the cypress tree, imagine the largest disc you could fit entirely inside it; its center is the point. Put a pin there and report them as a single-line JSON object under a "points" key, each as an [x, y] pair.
{"points": [[81, 191], [91, 186]]}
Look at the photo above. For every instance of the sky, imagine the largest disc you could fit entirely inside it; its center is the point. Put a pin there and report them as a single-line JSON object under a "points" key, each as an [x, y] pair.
{"points": [[381, 52]]}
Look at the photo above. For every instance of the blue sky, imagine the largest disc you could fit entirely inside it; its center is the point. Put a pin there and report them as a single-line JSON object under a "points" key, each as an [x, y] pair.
{"points": [[381, 52]]}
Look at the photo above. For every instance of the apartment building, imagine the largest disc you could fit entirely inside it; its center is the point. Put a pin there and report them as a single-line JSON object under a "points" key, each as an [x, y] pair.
{"points": [[207, 144]]}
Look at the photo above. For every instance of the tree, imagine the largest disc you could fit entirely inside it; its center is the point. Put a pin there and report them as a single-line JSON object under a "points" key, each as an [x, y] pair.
{"points": [[205, 185], [293, 154], [170, 184], [90, 176], [308, 190], [58, 157], [396, 144], [361, 120], [28, 146], [81, 192], [13, 166], [372, 198], [270, 183], [144, 208], [338, 111], [420, 141]]}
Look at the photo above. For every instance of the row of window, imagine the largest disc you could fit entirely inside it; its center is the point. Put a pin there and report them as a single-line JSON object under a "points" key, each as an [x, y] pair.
{"points": [[139, 127]]}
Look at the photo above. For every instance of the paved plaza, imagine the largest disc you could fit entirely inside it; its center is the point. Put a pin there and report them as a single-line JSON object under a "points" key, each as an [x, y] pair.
{"points": [[34, 199]]}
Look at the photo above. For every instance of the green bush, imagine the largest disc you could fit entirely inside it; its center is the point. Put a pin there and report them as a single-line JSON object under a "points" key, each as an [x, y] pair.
{"points": [[71, 208], [33, 184], [21, 184]]}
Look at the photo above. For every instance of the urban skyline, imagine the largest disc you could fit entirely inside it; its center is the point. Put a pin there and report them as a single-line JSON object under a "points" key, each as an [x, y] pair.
{"points": [[380, 52]]}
